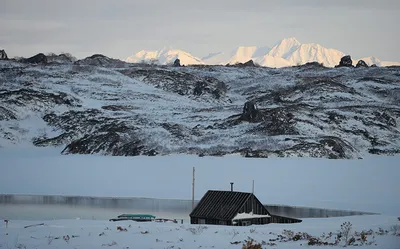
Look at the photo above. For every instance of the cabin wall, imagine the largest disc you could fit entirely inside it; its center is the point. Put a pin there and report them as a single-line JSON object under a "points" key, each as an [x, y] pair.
{"points": [[207, 221], [246, 222], [254, 221]]}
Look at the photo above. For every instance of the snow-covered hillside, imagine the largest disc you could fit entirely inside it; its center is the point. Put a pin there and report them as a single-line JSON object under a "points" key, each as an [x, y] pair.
{"points": [[287, 52], [101, 105]]}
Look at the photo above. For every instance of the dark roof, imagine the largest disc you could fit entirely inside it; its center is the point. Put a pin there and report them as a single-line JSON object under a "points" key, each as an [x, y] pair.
{"points": [[222, 205]]}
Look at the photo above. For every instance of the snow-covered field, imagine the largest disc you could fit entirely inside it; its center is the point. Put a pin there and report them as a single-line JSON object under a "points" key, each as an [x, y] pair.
{"points": [[103, 234]]}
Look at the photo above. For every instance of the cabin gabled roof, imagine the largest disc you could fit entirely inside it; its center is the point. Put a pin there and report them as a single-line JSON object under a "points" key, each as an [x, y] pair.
{"points": [[221, 205]]}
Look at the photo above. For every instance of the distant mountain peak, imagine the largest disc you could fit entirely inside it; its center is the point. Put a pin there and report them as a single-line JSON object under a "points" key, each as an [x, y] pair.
{"points": [[167, 55], [287, 52], [292, 40], [285, 47]]}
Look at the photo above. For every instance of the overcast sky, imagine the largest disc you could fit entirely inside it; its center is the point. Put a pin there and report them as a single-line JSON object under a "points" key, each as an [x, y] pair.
{"points": [[121, 28]]}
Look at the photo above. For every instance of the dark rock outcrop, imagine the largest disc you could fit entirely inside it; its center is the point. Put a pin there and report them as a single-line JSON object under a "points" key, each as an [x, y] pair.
{"points": [[250, 63], [35, 99], [3, 55], [326, 146], [37, 59], [61, 58], [311, 65], [180, 82], [89, 132], [374, 65], [199, 88], [177, 63], [361, 63], [6, 114], [250, 112], [100, 60], [108, 143], [345, 61], [386, 119], [275, 121]]}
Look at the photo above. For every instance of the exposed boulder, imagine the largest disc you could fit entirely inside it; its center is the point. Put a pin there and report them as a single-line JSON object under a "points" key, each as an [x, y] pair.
{"points": [[374, 65], [250, 112], [361, 63], [3, 55], [37, 59], [345, 61], [177, 63]]}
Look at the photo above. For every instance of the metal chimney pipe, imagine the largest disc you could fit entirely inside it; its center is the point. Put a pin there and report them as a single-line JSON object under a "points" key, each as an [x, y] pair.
{"points": [[231, 186]]}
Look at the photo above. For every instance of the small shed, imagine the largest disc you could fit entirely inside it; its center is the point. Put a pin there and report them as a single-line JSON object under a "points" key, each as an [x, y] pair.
{"points": [[135, 217], [233, 209]]}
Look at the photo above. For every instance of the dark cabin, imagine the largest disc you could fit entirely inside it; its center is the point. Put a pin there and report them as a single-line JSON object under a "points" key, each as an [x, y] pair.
{"points": [[233, 209]]}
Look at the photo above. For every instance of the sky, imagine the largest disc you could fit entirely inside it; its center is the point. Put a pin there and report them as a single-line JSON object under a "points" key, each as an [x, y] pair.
{"points": [[122, 28]]}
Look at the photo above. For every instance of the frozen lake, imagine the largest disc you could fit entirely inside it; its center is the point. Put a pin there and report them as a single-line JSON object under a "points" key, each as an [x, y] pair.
{"points": [[28, 207], [36, 207], [363, 185]]}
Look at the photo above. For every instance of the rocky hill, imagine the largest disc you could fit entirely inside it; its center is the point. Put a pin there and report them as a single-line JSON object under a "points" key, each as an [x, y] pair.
{"points": [[105, 106]]}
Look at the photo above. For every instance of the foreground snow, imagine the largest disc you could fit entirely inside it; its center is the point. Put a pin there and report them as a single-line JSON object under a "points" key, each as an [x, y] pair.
{"points": [[103, 234]]}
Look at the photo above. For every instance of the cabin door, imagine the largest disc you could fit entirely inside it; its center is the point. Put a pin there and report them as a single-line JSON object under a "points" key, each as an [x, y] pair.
{"points": [[246, 223]]}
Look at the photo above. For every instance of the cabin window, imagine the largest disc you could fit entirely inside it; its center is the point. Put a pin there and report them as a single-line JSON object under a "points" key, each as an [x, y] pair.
{"points": [[202, 221]]}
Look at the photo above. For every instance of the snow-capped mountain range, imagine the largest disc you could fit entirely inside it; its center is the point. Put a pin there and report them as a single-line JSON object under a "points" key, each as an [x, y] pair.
{"points": [[288, 52]]}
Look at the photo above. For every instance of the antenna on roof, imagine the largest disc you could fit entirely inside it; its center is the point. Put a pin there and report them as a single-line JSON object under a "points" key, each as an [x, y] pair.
{"points": [[252, 199], [193, 191]]}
